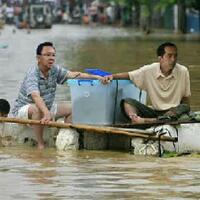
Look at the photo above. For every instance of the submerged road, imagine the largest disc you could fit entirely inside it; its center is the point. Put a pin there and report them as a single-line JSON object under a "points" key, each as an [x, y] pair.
{"points": [[27, 173]]}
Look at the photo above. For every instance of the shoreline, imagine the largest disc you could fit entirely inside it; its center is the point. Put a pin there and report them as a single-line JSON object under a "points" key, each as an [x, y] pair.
{"points": [[106, 31]]}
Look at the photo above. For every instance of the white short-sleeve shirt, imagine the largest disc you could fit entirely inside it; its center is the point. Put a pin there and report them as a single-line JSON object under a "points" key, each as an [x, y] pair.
{"points": [[164, 91]]}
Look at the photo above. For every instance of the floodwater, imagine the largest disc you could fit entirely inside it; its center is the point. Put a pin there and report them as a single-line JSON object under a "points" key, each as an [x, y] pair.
{"points": [[27, 173]]}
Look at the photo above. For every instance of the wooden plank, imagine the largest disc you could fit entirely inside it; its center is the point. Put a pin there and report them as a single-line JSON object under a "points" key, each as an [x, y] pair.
{"points": [[89, 128]]}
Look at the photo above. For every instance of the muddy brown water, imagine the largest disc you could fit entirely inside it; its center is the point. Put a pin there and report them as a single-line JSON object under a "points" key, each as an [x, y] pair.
{"points": [[27, 173]]}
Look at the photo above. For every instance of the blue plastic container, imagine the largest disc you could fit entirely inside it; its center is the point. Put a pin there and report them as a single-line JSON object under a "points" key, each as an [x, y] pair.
{"points": [[92, 102], [95, 103], [97, 72]]}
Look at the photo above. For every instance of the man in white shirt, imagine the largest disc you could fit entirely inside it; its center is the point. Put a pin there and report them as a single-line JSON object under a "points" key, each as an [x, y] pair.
{"points": [[167, 84]]}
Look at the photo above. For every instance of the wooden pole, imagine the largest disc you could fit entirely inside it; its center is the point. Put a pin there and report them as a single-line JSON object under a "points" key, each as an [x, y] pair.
{"points": [[90, 128], [156, 123]]}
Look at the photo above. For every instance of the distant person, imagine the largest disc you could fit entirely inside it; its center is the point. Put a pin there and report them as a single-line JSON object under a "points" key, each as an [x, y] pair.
{"points": [[37, 92], [110, 13], [93, 12], [4, 108], [167, 84]]}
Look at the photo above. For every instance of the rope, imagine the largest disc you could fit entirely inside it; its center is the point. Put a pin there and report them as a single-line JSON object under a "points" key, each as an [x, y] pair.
{"points": [[115, 105]]}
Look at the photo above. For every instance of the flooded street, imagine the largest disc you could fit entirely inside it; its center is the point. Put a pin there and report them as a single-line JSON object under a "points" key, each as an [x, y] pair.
{"points": [[27, 173]]}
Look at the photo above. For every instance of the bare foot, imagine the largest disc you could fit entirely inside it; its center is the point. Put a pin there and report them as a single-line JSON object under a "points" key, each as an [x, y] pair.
{"points": [[135, 119], [41, 146]]}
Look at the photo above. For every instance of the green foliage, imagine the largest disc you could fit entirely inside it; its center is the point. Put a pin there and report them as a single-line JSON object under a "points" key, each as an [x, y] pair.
{"points": [[193, 4], [168, 154], [164, 4], [128, 3], [160, 4]]}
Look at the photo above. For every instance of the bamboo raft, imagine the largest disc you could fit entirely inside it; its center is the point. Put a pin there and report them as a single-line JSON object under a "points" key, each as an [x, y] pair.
{"points": [[91, 129], [128, 132]]}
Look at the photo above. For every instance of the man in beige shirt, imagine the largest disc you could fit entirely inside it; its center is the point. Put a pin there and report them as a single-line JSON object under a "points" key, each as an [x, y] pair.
{"points": [[166, 82]]}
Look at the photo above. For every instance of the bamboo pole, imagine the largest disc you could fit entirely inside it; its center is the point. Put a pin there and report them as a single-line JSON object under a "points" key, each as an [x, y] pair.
{"points": [[89, 128], [156, 123], [147, 132]]}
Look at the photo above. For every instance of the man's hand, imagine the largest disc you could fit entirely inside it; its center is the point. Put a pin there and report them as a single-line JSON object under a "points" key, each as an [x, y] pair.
{"points": [[107, 79], [46, 118], [103, 80]]}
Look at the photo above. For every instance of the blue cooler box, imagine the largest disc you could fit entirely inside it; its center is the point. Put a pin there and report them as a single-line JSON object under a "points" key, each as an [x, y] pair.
{"points": [[94, 103]]}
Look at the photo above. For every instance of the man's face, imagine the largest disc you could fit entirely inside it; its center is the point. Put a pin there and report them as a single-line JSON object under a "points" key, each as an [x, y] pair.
{"points": [[168, 60], [47, 57]]}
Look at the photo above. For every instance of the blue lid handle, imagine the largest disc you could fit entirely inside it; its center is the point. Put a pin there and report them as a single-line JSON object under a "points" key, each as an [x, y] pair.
{"points": [[85, 81], [98, 72]]}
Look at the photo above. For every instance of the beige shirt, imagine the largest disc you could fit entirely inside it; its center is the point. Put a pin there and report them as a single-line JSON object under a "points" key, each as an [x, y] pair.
{"points": [[164, 92]]}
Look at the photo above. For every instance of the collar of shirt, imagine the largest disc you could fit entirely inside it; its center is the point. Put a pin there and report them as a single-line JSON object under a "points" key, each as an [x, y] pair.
{"points": [[160, 74], [42, 75]]}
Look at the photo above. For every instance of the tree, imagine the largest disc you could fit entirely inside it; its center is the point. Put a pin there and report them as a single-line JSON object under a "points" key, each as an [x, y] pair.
{"points": [[193, 4], [145, 8]]}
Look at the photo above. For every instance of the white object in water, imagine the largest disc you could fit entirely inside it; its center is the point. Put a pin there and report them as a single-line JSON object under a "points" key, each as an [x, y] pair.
{"points": [[67, 139]]}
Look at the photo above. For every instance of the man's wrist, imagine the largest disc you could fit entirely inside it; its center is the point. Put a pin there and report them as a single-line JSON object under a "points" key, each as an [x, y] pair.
{"points": [[132, 115]]}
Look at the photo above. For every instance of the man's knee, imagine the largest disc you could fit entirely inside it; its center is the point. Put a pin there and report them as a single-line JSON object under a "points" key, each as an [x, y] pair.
{"points": [[64, 110], [34, 111], [129, 102]]}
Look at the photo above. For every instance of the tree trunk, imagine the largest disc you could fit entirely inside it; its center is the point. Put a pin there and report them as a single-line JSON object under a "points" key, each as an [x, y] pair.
{"points": [[181, 16], [136, 15]]}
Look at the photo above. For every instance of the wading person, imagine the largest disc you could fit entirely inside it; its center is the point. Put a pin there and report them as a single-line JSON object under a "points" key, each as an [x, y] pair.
{"points": [[37, 92], [167, 84], [4, 108]]}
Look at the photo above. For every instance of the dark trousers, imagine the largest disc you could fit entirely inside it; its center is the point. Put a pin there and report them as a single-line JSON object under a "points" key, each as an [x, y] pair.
{"points": [[147, 112]]}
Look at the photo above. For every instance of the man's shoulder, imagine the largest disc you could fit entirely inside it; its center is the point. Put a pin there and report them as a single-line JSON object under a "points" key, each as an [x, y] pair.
{"points": [[32, 69], [56, 67], [145, 70], [150, 67], [181, 67]]}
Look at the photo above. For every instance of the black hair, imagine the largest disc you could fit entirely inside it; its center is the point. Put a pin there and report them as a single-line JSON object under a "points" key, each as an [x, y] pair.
{"points": [[4, 106], [161, 48], [44, 44]]}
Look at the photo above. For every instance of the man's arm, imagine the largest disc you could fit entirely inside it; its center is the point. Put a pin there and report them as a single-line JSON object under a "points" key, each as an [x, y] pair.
{"points": [[104, 80], [80, 75], [123, 75], [41, 106], [88, 76]]}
